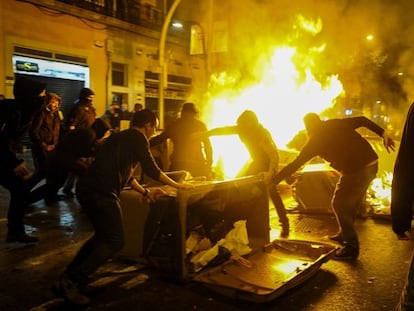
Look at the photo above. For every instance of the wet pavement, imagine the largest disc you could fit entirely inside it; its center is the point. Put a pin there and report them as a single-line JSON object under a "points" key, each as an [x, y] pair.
{"points": [[27, 272]]}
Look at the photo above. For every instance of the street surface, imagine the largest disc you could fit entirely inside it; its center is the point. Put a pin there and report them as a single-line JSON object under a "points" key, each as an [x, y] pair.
{"points": [[372, 283]]}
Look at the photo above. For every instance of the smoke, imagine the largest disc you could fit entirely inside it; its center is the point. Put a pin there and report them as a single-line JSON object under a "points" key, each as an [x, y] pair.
{"points": [[380, 69]]}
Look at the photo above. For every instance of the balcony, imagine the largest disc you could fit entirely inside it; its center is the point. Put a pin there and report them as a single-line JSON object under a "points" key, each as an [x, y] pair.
{"points": [[130, 11]]}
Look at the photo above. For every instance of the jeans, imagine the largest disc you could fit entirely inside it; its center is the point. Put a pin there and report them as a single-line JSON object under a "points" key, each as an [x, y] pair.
{"points": [[104, 212], [348, 196]]}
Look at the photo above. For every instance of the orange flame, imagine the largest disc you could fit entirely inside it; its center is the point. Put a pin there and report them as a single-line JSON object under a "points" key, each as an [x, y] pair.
{"points": [[284, 94]]}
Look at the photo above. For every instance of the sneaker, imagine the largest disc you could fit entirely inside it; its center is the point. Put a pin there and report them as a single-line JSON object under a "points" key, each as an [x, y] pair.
{"points": [[69, 290], [346, 253], [403, 236], [337, 238], [21, 238]]}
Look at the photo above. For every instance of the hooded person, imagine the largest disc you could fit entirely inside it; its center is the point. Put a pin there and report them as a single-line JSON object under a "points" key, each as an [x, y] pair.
{"points": [[15, 117], [83, 112], [264, 157], [73, 155], [188, 154], [402, 197]]}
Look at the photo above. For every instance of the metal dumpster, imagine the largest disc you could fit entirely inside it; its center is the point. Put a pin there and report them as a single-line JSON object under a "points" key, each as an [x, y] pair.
{"points": [[157, 235]]}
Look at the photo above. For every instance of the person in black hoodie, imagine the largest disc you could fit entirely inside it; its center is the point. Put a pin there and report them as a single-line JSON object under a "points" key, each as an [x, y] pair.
{"points": [[98, 193], [264, 157], [402, 196], [15, 117], [402, 199], [192, 155], [338, 142]]}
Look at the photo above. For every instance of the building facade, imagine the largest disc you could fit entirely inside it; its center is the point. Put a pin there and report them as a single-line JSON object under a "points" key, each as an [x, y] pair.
{"points": [[111, 47]]}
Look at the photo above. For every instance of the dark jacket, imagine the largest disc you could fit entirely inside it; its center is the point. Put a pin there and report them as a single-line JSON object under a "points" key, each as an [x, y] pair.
{"points": [[15, 117], [337, 142], [186, 149], [45, 128], [82, 115], [115, 163], [402, 195]]}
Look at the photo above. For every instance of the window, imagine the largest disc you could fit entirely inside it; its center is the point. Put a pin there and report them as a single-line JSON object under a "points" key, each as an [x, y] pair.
{"points": [[119, 76]]}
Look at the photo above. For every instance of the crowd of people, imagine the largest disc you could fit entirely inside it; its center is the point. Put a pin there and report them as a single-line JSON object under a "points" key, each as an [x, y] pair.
{"points": [[96, 158]]}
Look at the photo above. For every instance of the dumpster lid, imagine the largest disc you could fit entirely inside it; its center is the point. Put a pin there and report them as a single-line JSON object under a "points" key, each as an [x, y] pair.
{"points": [[269, 272]]}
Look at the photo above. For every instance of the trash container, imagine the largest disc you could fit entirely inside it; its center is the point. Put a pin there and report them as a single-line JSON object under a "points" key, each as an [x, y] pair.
{"points": [[159, 234]]}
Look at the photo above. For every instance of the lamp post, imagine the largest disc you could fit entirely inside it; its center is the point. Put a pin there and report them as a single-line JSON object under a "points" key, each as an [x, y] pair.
{"points": [[163, 76]]}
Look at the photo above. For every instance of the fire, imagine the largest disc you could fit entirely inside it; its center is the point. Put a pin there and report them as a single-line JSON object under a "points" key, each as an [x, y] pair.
{"points": [[286, 90], [379, 194]]}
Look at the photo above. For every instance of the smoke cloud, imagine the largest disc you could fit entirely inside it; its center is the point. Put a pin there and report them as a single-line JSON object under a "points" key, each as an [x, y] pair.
{"points": [[381, 68]]}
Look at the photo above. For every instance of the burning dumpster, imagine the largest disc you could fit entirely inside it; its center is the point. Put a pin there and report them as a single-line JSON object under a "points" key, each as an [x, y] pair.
{"points": [[218, 234]]}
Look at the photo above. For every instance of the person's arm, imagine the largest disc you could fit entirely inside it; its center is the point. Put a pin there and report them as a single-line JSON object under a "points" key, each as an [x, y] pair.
{"points": [[35, 128], [218, 131], [159, 139], [307, 153], [150, 195], [150, 167], [224, 130], [362, 121], [288, 170], [208, 151]]}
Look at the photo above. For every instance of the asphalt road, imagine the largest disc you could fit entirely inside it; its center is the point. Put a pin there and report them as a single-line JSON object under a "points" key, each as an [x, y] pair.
{"points": [[372, 283]]}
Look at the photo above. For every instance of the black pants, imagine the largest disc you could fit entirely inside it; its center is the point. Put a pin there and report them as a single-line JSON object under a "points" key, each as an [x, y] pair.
{"points": [[19, 199], [105, 216]]}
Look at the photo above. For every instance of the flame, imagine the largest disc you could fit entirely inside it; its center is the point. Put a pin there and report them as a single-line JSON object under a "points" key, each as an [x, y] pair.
{"points": [[283, 95], [379, 193]]}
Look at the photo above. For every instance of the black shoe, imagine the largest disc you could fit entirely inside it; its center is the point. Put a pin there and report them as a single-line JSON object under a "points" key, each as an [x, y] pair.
{"points": [[284, 233], [69, 194], [90, 290], [337, 238], [346, 253], [69, 290], [54, 199], [21, 238]]}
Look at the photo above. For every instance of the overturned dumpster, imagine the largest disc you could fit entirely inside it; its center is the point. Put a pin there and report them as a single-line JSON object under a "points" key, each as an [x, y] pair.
{"points": [[218, 234]]}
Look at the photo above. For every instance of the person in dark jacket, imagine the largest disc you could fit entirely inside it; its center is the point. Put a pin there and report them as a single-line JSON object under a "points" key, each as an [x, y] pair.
{"points": [[192, 155], [264, 157], [98, 192], [83, 112], [73, 154], [15, 118], [82, 115], [44, 133], [402, 194], [402, 199], [338, 142]]}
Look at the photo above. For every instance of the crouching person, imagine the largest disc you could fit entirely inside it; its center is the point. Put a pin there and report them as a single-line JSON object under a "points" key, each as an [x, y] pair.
{"points": [[98, 192]]}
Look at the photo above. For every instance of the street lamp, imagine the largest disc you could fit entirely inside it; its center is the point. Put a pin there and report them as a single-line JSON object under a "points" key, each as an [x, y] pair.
{"points": [[163, 78]]}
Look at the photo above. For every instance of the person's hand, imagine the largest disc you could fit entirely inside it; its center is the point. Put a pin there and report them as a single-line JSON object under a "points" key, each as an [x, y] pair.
{"points": [[50, 147], [154, 194], [388, 142], [22, 171]]}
